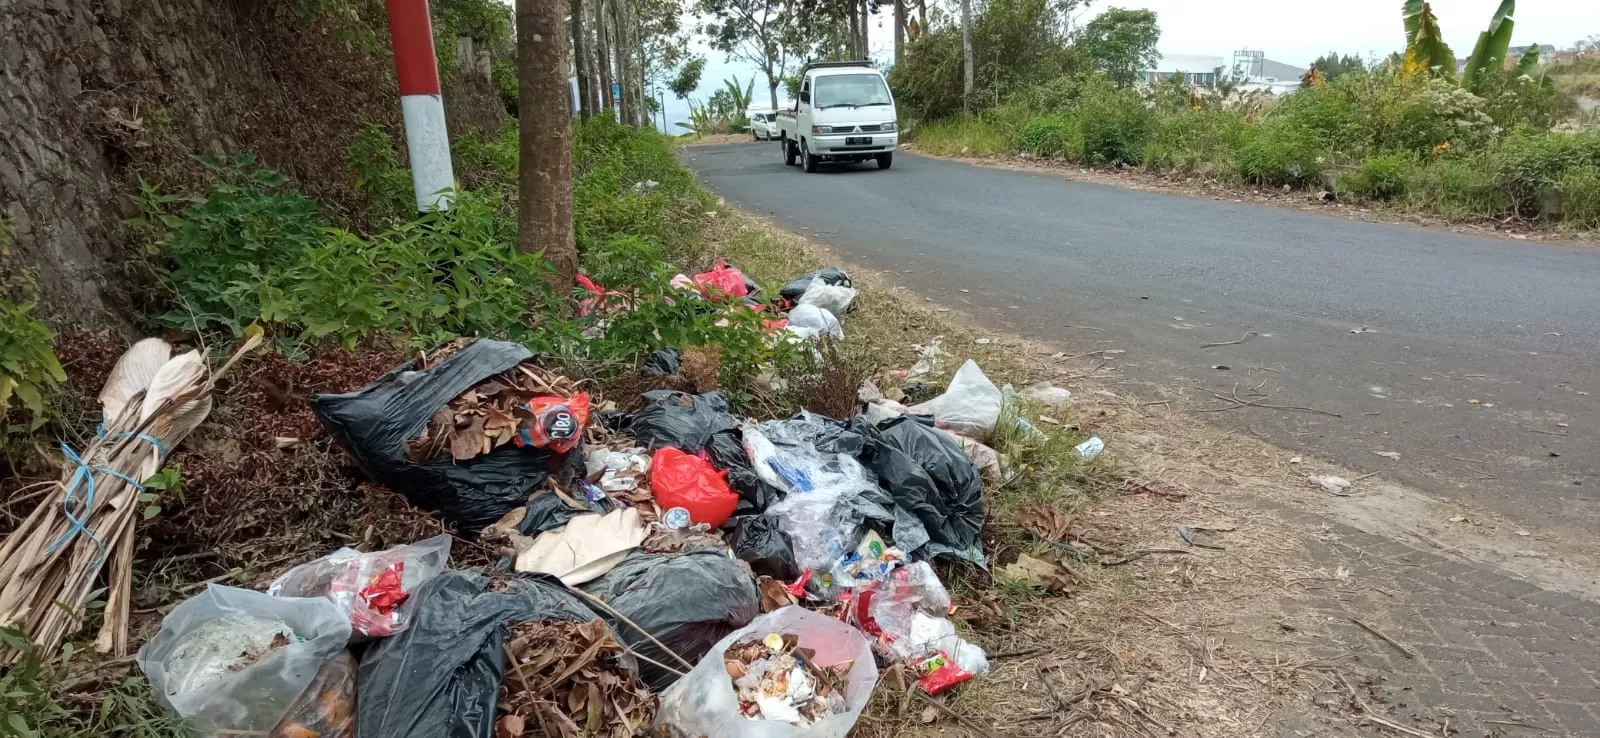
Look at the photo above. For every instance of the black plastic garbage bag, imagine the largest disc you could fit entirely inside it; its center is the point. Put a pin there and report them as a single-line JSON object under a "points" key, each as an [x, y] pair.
{"points": [[664, 361], [796, 287], [440, 678], [930, 477], [726, 450], [547, 511], [759, 542], [680, 420], [374, 422], [688, 601]]}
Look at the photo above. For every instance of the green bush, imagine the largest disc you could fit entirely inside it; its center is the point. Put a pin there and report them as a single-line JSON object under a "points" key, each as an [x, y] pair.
{"points": [[447, 273], [28, 366], [1580, 197], [1380, 177], [1197, 141], [1530, 169], [1281, 153], [1456, 188], [1050, 136], [1116, 124], [218, 248]]}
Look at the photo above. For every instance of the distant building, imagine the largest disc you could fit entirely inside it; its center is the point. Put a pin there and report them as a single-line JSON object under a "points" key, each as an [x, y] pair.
{"points": [[1197, 69], [1255, 72]]}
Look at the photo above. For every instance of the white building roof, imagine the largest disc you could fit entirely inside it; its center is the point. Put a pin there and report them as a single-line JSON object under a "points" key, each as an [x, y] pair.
{"points": [[1188, 63]]}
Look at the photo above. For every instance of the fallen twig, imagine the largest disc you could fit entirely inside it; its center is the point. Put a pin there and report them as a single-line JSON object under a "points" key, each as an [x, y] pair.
{"points": [[1136, 555], [596, 601], [965, 721], [1373, 629], [1394, 726], [1242, 339], [1518, 724], [1017, 654], [1260, 403]]}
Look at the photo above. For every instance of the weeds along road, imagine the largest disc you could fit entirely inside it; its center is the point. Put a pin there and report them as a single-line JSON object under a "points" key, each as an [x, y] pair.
{"points": [[1476, 360]]}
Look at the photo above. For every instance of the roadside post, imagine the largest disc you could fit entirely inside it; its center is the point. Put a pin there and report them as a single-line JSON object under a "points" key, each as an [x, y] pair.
{"points": [[427, 140]]}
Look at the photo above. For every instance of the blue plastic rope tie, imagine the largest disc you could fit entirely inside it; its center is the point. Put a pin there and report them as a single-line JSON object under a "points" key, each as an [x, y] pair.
{"points": [[84, 476]]}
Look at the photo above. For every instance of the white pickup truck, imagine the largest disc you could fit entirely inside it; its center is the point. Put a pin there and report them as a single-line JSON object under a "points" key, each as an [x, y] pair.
{"points": [[845, 113]]}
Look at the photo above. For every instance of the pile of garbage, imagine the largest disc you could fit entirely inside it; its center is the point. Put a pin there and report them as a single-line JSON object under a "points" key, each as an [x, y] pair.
{"points": [[746, 577]]}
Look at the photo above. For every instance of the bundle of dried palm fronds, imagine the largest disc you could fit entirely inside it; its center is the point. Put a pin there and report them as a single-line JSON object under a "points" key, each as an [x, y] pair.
{"points": [[567, 680], [50, 565]]}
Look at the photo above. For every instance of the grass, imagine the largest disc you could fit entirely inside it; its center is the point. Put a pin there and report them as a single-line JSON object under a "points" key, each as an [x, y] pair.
{"points": [[964, 136]]}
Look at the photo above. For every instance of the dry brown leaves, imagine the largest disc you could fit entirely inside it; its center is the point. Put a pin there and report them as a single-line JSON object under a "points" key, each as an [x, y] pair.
{"points": [[1047, 575], [566, 680], [487, 416], [1046, 521]]}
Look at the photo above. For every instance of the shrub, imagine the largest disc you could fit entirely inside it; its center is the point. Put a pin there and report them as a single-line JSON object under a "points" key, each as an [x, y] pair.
{"points": [[379, 177], [1116, 124], [1197, 141], [1455, 188], [1281, 153], [1530, 169], [1050, 136], [1580, 197], [1380, 177], [28, 366], [221, 246]]}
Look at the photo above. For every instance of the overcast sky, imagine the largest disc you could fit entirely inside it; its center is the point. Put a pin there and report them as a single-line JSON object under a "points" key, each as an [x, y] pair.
{"points": [[1292, 33]]}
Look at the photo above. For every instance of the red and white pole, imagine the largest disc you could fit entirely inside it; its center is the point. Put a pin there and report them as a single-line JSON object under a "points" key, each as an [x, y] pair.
{"points": [[420, 102]]}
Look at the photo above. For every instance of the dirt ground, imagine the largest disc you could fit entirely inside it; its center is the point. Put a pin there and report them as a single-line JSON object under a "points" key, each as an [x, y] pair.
{"points": [[1296, 611]]}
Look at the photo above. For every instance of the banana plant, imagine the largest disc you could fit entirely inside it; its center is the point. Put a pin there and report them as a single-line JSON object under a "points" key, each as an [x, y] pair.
{"points": [[1426, 51], [1528, 68], [1489, 55], [741, 100]]}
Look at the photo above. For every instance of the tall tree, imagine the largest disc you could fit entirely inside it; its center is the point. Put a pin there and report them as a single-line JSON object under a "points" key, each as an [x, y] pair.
{"points": [[1333, 65], [688, 78], [602, 27], [899, 30], [580, 56], [1121, 43], [544, 201], [966, 54], [759, 32]]}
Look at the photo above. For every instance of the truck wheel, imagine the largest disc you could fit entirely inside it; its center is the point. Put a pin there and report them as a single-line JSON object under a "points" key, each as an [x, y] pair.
{"points": [[886, 160], [807, 161], [788, 152]]}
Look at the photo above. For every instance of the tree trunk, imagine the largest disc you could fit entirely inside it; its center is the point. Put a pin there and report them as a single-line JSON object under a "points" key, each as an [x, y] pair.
{"points": [[590, 67], [579, 53], [855, 34], [966, 54], [603, 53], [623, 51], [544, 198], [922, 17], [866, 30], [899, 30], [772, 87]]}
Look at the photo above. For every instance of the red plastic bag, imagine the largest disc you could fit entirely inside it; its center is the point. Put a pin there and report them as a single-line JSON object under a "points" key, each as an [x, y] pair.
{"points": [[554, 422], [692, 483], [722, 281], [940, 672]]}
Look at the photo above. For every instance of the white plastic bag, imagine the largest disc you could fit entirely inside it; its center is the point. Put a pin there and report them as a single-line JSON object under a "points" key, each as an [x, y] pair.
{"points": [[816, 319], [835, 299], [703, 703], [1047, 394], [373, 589], [232, 660], [970, 406]]}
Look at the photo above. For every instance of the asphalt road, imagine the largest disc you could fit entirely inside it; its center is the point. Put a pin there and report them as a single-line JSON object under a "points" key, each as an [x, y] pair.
{"points": [[1476, 360]]}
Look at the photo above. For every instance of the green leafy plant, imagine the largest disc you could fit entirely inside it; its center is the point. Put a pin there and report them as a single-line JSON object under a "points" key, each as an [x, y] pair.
{"points": [[1380, 177], [379, 176], [1282, 153], [1050, 136], [1489, 53], [28, 366], [219, 248], [164, 483]]}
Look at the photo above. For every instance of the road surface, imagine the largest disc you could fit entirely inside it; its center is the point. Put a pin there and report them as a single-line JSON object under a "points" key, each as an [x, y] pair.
{"points": [[1476, 360]]}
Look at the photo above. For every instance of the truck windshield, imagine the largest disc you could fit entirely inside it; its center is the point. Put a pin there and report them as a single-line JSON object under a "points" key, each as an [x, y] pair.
{"points": [[850, 91]]}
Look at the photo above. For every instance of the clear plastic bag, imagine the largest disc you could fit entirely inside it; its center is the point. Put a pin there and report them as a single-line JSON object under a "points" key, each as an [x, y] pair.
{"points": [[817, 319], [816, 513], [970, 406], [833, 298], [703, 703], [327, 709], [373, 589], [232, 660]]}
